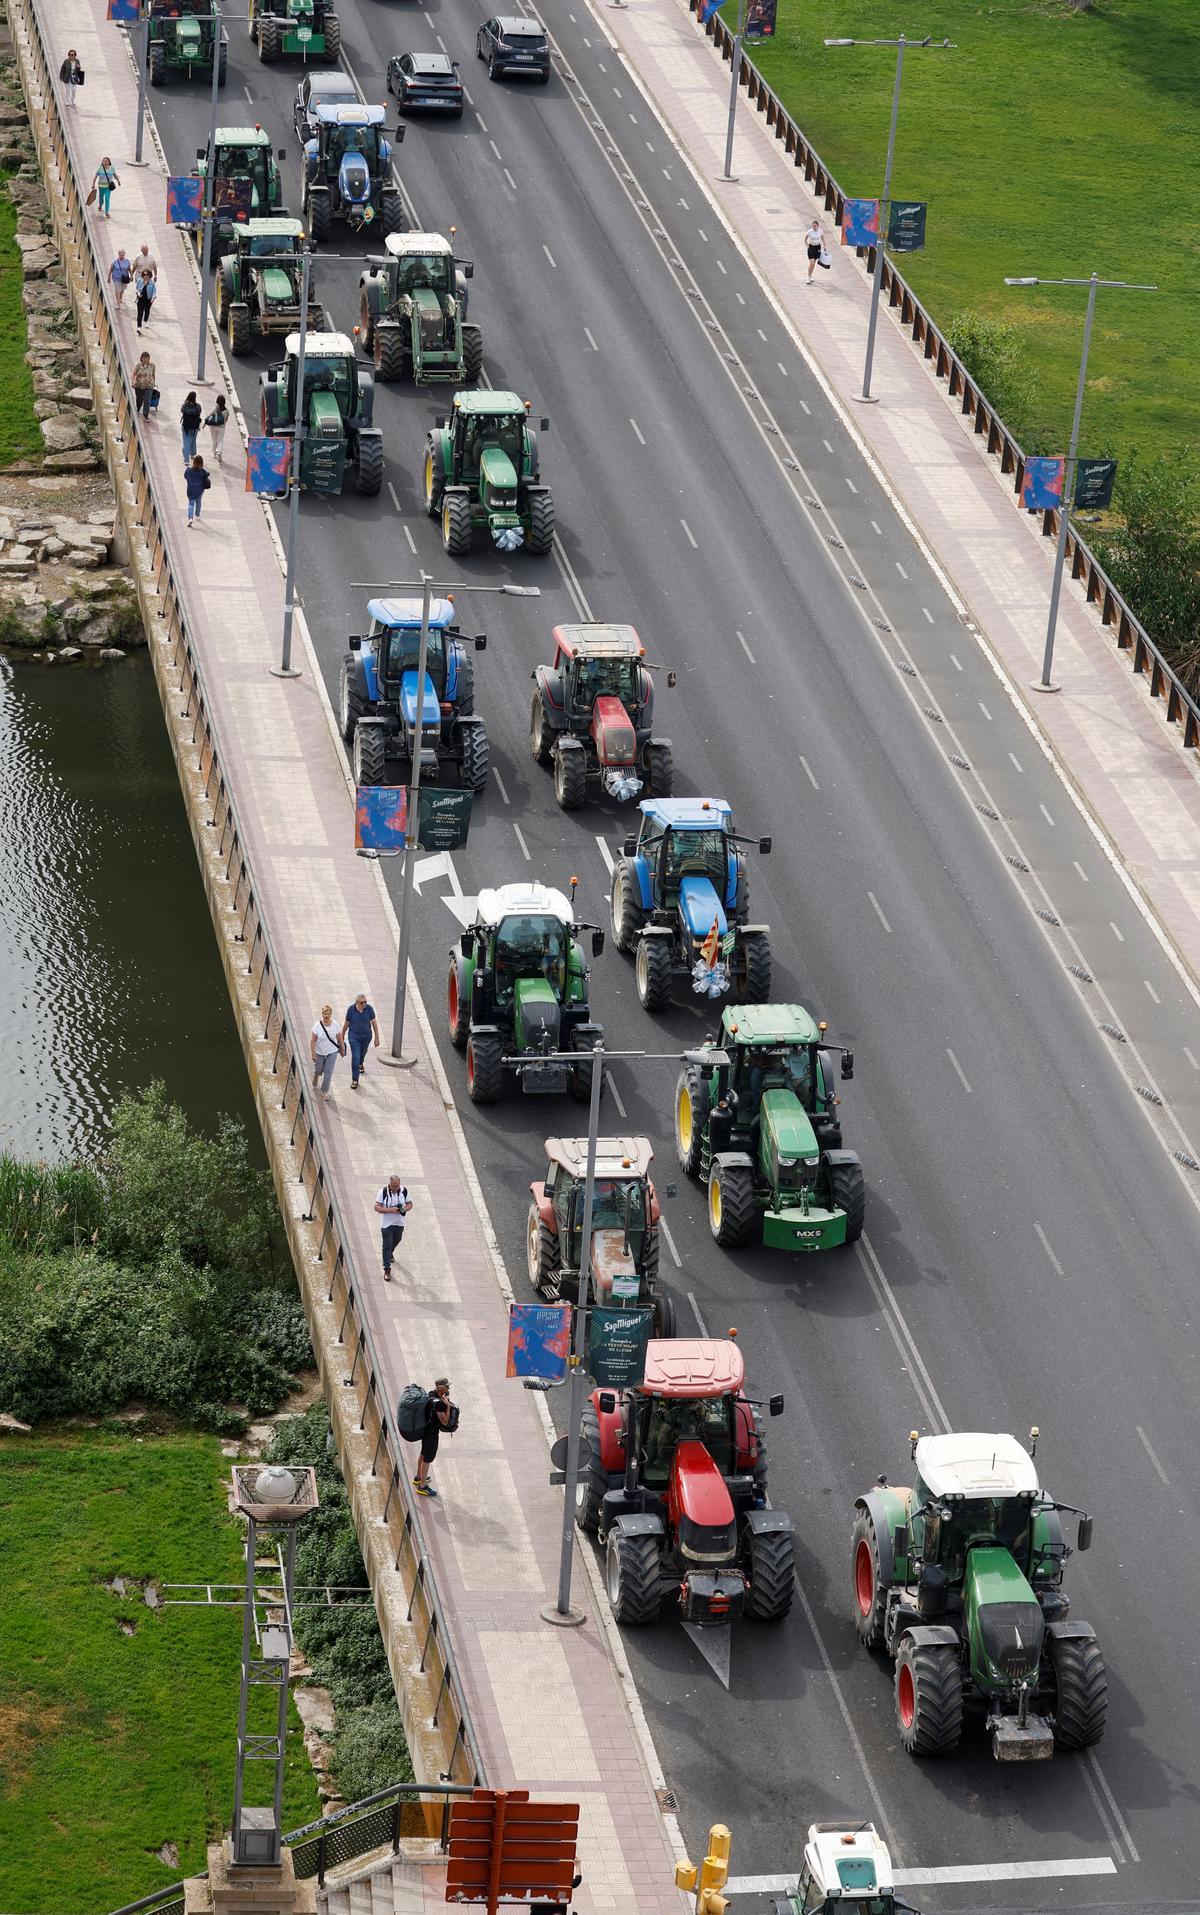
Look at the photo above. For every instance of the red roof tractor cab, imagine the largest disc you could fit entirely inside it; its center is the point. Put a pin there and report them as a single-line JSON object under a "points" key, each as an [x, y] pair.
{"points": [[592, 714], [622, 1268]]}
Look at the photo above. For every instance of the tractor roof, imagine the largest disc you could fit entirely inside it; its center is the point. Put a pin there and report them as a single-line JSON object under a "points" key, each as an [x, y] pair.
{"points": [[406, 613], [243, 136], [975, 1464], [488, 405], [848, 1859], [330, 113], [523, 900], [280, 227], [768, 1024], [321, 345], [616, 1157], [689, 814], [404, 245], [599, 641], [693, 1366]]}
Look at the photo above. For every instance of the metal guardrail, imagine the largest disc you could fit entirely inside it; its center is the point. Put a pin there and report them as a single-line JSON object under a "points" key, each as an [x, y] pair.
{"points": [[176, 658], [378, 1821], [1132, 637]]}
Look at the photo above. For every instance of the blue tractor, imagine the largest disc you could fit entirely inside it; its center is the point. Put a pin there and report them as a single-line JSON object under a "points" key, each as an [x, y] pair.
{"points": [[348, 172], [680, 904], [378, 708]]}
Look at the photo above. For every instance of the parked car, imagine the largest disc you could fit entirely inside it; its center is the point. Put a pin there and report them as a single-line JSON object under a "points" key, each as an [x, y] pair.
{"points": [[328, 87], [426, 82], [512, 44]]}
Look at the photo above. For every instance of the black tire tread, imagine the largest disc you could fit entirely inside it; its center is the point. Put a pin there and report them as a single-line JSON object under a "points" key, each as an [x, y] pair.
{"points": [[570, 780], [739, 1211], [756, 968], [593, 1482], [488, 1081], [937, 1675], [870, 1628], [627, 915], [772, 1575], [848, 1190], [640, 1581], [653, 973], [1081, 1691]]}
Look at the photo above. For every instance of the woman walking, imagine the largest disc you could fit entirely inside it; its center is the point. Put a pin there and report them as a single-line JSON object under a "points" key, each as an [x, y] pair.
{"points": [[71, 75], [324, 1049], [143, 384], [216, 422], [119, 275], [197, 482], [104, 180], [190, 415], [147, 293], [814, 240]]}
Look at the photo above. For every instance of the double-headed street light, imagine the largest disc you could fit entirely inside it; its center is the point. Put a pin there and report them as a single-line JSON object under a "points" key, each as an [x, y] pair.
{"points": [[1093, 285], [901, 45], [285, 668]]}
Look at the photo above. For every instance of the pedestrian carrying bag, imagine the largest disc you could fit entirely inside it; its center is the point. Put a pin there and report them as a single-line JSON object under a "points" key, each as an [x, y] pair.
{"points": [[412, 1412], [825, 260]]}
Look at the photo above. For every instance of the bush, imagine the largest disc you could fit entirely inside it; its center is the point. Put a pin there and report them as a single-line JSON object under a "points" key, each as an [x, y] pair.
{"points": [[370, 1751], [1153, 554], [993, 353]]}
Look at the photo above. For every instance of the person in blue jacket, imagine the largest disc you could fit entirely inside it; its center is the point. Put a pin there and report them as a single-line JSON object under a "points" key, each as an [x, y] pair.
{"points": [[197, 482]]}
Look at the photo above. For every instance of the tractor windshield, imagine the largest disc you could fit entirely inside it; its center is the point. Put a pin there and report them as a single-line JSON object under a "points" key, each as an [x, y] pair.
{"points": [[673, 1420], [769, 1068], [404, 651], [613, 1202], [530, 947], [330, 375], [425, 269], [1004, 1520], [604, 678], [354, 139], [688, 854], [271, 245], [508, 434]]}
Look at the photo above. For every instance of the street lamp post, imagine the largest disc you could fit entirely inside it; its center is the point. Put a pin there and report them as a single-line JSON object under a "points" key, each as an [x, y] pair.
{"points": [[901, 45], [285, 668], [1093, 285], [209, 185], [733, 89], [143, 63]]}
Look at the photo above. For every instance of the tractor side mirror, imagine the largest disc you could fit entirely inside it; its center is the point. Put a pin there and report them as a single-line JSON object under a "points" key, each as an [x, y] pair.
{"points": [[597, 943], [543, 425], [468, 268], [900, 1541], [607, 1402], [355, 643], [481, 641], [547, 1190], [847, 1064], [764, 846], [202, 152], [629, 848], [281, 153], [1084, 1538], [466, 944], [672, 680], [775, 1405]]}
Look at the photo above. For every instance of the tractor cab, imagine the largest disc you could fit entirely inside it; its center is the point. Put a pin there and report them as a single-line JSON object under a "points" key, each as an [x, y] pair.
{"points": [[517, 992], [846, 1865], [271, 238], [530, 949], [624, 1238], [245, 182], [394, 650], [348, 150], [424, 262]]}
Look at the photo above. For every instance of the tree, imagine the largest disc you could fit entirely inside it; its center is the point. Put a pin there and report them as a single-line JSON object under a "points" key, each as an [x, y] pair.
{"points": [[1152, 554]]}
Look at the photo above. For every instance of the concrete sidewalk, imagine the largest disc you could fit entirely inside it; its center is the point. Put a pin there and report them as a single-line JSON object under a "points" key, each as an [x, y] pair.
{"points": [[551, 1708], [1130, 770]]}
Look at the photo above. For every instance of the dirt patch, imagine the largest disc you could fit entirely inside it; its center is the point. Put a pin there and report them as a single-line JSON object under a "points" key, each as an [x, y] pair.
{"points": [[24, 1728], [167, 1854]]}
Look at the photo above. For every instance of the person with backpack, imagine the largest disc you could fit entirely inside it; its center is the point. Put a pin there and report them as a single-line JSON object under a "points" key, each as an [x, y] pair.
{"points": [[71, 75], [190, 414], [421, 1416], [216, 422], [392, 1206], [197, 481]]}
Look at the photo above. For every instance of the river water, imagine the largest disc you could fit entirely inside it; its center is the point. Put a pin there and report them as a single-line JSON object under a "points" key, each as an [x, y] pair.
{"points": [[109, 974]]}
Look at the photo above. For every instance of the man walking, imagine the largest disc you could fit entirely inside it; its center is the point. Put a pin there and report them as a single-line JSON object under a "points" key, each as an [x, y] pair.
{"points": [[361, 1027], [439, 1416], [392, 1206]]}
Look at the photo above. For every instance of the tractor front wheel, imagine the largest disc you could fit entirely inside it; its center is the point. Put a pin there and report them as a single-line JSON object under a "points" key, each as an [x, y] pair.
{"points": [[458, 1003], [158, 64], [570, 780], [320, 215], [592, 1481], [393, 213], [732, 1211], [238, 326], [370, 755], [928, 1696], [333, 39], [652, 971], [541, 524], [868, 1586], [472, 344], [848, 1192], [369, 464], [691, 1115], [579, 1077], [540, 743], [432, 481], [660, 769], [351, 704], [627, 913], [631, 1572], [456, 523], [476, 758], [772, 1567], [390, 356], [664, 1315], [1081, 1691], [268, 41], [541, 1251], [754, 965], [222, 62], [485, 1069]]}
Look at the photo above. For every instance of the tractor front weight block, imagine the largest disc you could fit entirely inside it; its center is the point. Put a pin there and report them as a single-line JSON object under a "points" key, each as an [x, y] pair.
{"points": [[811, 1229], [1017, 1741], [710, 1599], [542, 1079]]}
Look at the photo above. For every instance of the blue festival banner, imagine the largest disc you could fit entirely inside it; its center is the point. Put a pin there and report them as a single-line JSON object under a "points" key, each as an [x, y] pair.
{"points": [[860, 222], [539, 1340], [267, 462], [185, 200], [124, 12], [1042, 485], [380, 817], [707, 9]]}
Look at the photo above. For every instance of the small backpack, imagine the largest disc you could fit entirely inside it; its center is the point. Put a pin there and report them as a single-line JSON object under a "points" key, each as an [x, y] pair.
{"points": [[412, 1412]]}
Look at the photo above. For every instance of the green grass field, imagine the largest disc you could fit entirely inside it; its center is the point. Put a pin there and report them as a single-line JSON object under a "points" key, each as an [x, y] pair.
{"points": [[20, 433], [1051, 142], [113, 1743]]}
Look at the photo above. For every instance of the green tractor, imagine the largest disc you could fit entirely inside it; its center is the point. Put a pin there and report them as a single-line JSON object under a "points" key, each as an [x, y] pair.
{"points": [[517, 993], [246, 185], [259, 283], [413, 306], [959, 1579], [757, 1121], [309, 28], [481, 471], [181, 40], [338, 404]]}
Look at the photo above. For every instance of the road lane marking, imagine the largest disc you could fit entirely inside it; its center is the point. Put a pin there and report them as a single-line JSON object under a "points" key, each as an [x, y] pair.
{"points": [[876, 527], [495, 149], [605, 853], [683, 203], [1152, 991], [806, 410], [691, 541], [670, 1242], [412, 544], [1118, 934], [879, 913], [1083, 874], [615, 1094], [1016, 763], [955, 663], [467, 97], [1045, 813], [703, 234], [249, 95], [440, 41], [901, 1335], [1148, 1446], [928, 1877], [591, 342], [549, 255], [521, 841], [499, 783], [740, 300], [987, 714], [850, 483], [395, 500], [482, 123], [633, 117], [1044, 1240], [901, 569], [881, 1814], [929, 616], [746, 648], [1094, 1764], [696, 1312], [512, 182], [1191, 1060], [827, 445], [637, 428], [720, 266], [809, 773], [961, 1074]]}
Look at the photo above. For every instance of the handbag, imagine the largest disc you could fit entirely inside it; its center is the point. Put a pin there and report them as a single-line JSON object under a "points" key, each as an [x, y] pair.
{"points": [[91, 198], [825, 260], [155, 396]]}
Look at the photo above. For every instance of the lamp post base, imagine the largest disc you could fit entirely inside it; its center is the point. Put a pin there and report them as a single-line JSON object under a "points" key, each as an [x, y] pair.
{"points": [[137, 162], [570, 1620], [865, 399], [399, 1063], [728, 179], [1036, 685], [285, 671]]}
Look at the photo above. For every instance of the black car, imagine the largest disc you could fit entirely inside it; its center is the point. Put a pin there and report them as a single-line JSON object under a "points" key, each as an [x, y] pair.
{"points": [[321, 88], [426, 82], [512, 44]]}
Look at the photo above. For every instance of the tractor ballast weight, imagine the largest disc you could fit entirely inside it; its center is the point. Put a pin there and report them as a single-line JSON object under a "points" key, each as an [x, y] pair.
{"points": [[757, 1121], [348, 172], [413, 312], [291, 29], [592, 713], [181, 38], [959, 1580], [338, 400], [246, 185], [675, 1488], [259, 283], [517, 993], [681, 904], [622, 1266], [481, 473], [378, 708]]}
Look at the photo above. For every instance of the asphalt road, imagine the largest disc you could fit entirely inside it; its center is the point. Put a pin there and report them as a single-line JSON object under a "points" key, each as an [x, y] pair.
{"points": [[1031, 1241]]}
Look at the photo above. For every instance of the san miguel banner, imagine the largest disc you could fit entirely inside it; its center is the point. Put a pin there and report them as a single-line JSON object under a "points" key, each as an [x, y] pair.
{"points": [[1042, 485], [906, 225], [860, 222], [1094, 480], [617, 1342]]}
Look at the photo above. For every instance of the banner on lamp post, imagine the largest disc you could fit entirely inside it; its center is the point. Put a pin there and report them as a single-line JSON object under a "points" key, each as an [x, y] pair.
{"points": [[381, 811], [617, 1342], [906, 225], [1042, 484], [860, 222], [185, 200], [267, 462], [125, 12], [760, 20], [539, 1340], [1094, 480]]}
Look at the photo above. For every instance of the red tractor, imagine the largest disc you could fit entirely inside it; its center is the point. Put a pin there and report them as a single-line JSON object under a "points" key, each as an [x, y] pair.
{"points": [[592, 714], [676, 1488], [623, 1265]]}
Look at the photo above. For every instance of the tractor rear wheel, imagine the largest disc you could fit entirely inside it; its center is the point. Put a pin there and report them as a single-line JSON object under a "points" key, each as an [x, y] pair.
{"points": [[541, 1251], [1081, 1691], [650, 1252], [868, 1585], [464, 685], [579, 1077], [660, 769], [222, 61], [472, 342], [652, 972], [485, 1071], [456, 523], [158, 64], [432, 480], [541, 523], [238, 325], [393, 213], [732, 1211], [540, 741], [848, 1192], [772, 1566], [320, 215], [628, 915], [570, 780], [333, 38], [268, 40], [592, 1481], [370, 755], [754, 965], [691, 1116], [391, 360], [664, 1316], [631, 1572], [351, 704], [458, 1002], [929, 1696], [476, 758], [369, 464]]}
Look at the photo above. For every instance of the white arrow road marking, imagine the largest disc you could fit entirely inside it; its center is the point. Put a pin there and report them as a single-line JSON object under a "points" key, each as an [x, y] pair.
{"points": [[713, 1645], [926, 1877]]}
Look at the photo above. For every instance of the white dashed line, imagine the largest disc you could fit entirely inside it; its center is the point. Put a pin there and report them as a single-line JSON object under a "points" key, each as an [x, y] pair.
{"points": [[615, 1094], [482, 123], [670, 1242], [249, 95], [876, 527], [762, 335], [1083, 874], [605, 853], [703, 234], [691, 541], [602, 66], [746, 649], [1016, 763], [960, 1073], [1044, 1240], [851, 484], [495, 148], [879, 913], [928, 613], [987, 714], [1152, 991], [827, 445], [741, 302], [587, 43], [467, 97], [901, 570], [783, 369], [637, 428], [412, 545], [806, 410], [395, 500], [809, 774], [1116, 931], [696, 1311], [720, 266], [549, 255], [617, 91], [1045, 813], [954, 661], [498, 781], [440, 41], [521, 841], [633, 117], [512, 182], [591, 342], [1191, 1060], [649, 146], [1149, 1449]]}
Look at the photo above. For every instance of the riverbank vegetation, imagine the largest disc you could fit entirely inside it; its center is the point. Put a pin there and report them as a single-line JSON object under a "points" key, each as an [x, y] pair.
{"points": [[20, 433]]}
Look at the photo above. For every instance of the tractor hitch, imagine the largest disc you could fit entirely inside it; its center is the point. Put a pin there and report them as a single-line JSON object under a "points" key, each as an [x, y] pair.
{"points": [[1023, 1737], [712, 1598]]}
